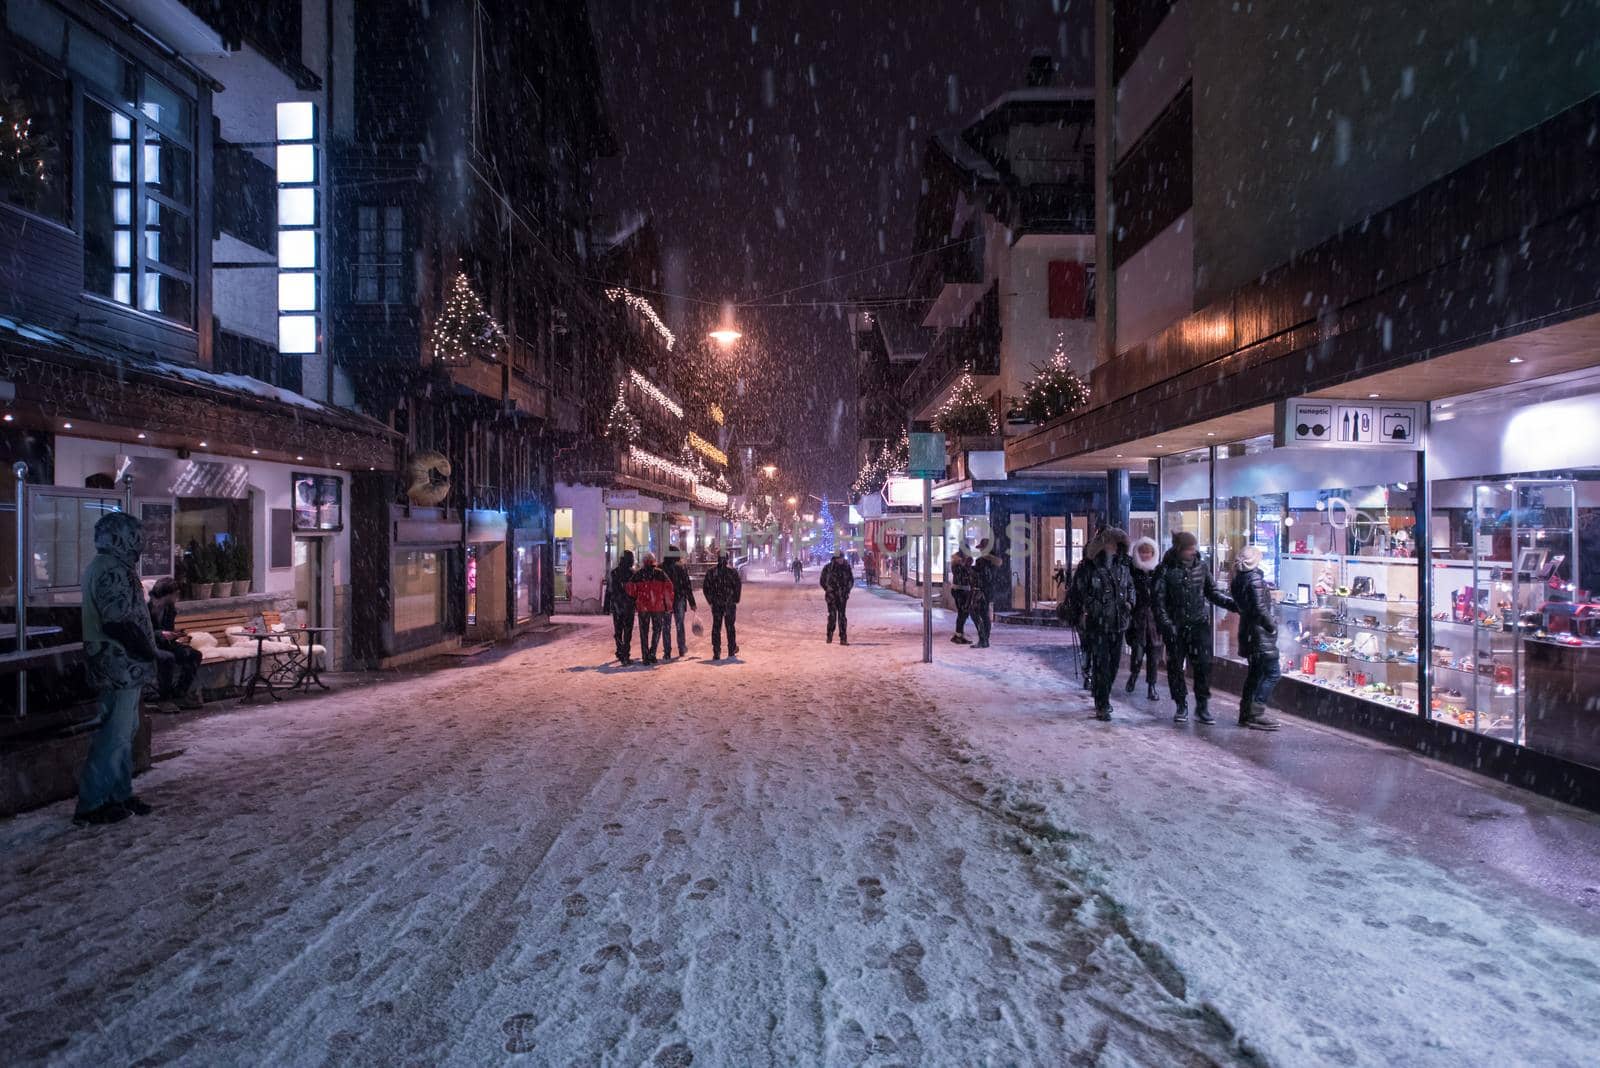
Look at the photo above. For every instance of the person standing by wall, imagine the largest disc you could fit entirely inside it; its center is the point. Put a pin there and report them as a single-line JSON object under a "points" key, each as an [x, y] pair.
{"points": [[1183, 586], [120, 646], [837, 581], [1258, 639], [722, 588], [177, 676]]}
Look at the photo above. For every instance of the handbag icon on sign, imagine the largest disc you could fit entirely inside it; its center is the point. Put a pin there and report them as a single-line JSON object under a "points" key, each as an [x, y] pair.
{"points": [[1397, 426]]}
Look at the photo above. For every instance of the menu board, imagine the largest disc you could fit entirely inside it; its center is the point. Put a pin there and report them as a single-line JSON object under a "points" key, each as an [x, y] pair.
{"points": [[318, 502], [155, 520]]}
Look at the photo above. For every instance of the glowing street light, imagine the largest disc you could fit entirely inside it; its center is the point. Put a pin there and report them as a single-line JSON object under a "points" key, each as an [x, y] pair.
{"points": [[725, 336], [793, 501], [769, 470]]}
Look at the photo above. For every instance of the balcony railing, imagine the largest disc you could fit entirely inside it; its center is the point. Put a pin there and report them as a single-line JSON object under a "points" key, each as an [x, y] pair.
{"points": [[610, 464], [1053, 208], [973, 347]]}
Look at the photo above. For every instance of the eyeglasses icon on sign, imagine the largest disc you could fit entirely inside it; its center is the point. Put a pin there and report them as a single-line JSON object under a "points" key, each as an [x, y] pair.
{"points": [[1311, 430]]}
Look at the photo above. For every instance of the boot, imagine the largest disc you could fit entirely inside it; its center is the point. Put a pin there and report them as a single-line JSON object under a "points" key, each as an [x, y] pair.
{"points": [[1103, 714], [843, 640], [830, 637], [1258, 720], [1133, 680], [1181, 715], [1150, 692], [1203, 714]]}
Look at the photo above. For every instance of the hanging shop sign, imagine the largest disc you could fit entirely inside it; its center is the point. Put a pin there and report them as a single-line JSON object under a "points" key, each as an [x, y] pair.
{"points": [[1324, 423], [927, 456], [903, 491]]}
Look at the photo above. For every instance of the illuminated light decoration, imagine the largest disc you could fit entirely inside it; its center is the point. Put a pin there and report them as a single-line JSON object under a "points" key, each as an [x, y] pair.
{"points": [[709, 497], [1055, 388], [965, 413], [621, 424], [642, 306], [299, 265], [725, 336], [465, 329], [651, 390], [706, 449], [652, 462], [890, 459], [716, 414]]}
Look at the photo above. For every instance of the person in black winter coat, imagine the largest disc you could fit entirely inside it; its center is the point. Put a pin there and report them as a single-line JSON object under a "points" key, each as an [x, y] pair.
{"points": [[1144, 637], [961, 593], [621, 606], [683, 600], [1183, 586], [1258, 639], [985, 584], [1100, 605], [837, 582], [721, 589]]}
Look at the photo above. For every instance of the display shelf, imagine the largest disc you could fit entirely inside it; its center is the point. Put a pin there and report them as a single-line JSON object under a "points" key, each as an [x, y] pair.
{"points": [[1334, 558]]}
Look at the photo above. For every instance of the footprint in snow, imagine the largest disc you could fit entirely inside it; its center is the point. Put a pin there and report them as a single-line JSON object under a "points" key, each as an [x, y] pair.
{"points": [[577, 905]]}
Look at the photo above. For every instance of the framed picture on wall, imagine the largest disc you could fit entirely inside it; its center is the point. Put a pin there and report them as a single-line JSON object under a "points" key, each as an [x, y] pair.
{"points": [[318, 503]]}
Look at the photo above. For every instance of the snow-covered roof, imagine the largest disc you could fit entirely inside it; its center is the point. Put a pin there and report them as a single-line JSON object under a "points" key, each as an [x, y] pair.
{"points": [[242, 385], [1045, 95]]}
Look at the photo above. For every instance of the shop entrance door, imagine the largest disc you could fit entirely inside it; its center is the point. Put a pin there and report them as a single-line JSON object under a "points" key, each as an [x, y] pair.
{"points": [[308, 581]]}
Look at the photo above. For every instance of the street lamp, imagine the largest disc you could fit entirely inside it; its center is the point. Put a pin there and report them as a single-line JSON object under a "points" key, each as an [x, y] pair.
{"points": [[769, 470], [793, 501], [725, 335]]}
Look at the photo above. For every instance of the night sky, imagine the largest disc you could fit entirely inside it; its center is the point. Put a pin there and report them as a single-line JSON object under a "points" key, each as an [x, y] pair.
{"points": [[775, 143]]}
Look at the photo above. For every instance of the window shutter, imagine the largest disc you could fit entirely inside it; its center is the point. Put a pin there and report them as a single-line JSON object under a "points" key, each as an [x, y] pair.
{"points": [[1068, 290]]}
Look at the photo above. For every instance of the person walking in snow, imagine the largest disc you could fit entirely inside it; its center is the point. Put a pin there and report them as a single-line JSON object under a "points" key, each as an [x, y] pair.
{"points": [[986, 576], [837, 581], [651, 590], [1144, 637], [619, 603], [721, 588], [797, 568], [682, 601], [1100, 604], [961, 593], [1258, 639], [1183, 586], [120, 646]]}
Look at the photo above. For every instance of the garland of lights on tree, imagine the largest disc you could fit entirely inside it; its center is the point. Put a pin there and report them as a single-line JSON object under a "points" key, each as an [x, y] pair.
{"points": [[876, 471], [829, 540], [465, 329], [622, 426], [22, 151], [1055, 388], [965, 413]]}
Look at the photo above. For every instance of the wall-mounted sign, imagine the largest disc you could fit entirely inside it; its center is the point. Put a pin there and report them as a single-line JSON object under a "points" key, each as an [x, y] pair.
{"points": [[318, 503], [1321, 423], [299, 229], [155, 520], [903, 491]]}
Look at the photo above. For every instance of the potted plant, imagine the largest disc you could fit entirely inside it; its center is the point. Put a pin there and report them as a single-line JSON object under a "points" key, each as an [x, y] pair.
{"points": [[240, 558], [204, 570]]}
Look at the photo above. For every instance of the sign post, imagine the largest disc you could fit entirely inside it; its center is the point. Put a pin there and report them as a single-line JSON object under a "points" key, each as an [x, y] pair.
{"points": [[927, 463]]}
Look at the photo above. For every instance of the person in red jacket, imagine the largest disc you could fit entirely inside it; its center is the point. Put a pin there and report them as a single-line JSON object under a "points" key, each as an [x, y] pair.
{"points": [[651, 590]]}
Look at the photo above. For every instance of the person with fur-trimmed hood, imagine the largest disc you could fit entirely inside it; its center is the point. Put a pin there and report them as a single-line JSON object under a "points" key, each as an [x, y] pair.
{"points": [[1258, 639], [1144, 637], [1183, 586], [1100, 605]]}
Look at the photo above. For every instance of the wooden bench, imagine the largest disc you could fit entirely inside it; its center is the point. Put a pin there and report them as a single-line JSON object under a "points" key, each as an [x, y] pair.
{"points": [[225, 660]]}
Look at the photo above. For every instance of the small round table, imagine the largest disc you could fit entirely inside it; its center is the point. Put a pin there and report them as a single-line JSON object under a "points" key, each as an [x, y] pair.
{"points": [[309, 672]]}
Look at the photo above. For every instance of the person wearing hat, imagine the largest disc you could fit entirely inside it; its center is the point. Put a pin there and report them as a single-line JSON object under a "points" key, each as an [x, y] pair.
{"points": [[1183, 587], [619, 604], [1144, 637], [721, 589], [1100, 604], [837, 581], [652, 592], [119, 645], [1258, 639]]}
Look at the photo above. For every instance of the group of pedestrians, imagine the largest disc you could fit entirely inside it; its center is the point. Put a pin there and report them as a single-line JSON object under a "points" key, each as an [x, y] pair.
{"points": [[1121, 594], [659, 596], [973, 586]]}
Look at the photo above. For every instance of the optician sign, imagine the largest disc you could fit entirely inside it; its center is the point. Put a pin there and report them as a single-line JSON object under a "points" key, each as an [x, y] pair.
{"points": [[1329, 423]]}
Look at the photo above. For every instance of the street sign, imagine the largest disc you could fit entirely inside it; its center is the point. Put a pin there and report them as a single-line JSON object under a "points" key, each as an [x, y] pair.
{"points": [[1321, 423], [927, 456]]}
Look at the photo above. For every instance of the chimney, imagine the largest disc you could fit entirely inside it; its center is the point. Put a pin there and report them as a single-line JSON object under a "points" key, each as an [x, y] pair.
{"points": [[1041, 71]]}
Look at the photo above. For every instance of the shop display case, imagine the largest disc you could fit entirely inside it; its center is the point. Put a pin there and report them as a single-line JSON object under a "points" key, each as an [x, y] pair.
{"points": [[1504, 564]]}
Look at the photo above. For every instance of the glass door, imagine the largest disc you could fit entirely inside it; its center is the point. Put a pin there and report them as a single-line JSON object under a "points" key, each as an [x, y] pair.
{"points": [[308, 576]]}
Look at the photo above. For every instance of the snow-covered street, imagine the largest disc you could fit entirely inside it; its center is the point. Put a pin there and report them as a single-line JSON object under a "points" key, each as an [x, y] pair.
{"points": [[812, 855]]}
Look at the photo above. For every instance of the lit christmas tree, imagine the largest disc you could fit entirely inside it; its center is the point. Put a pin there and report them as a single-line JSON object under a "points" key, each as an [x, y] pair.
{"points": [[965, 413], [829, 537], [622, 426], [23, 151], [464, 329], [1055, 388], [876, 471]]}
